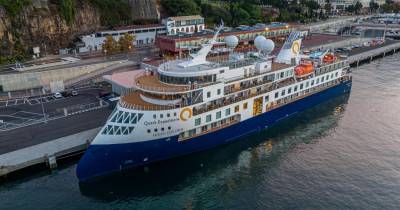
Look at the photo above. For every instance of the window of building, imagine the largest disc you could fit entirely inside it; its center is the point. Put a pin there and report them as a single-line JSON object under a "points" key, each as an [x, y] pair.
{"points": [[208, 118], [237, 108], [197, 121], [227, 111], [218, 115], [208, 94], [245, 105]]}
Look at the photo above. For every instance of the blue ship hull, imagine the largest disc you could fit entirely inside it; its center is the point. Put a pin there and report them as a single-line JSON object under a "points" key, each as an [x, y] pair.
{"points": [[101, 160]]}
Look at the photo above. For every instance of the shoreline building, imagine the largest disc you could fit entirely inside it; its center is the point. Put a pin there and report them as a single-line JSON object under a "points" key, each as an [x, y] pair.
{"points": [[183, 43], [144, 35], [184, 24]]}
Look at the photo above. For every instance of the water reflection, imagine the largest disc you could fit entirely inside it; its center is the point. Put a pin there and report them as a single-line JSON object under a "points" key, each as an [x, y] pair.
{"points": [[227, 164]]}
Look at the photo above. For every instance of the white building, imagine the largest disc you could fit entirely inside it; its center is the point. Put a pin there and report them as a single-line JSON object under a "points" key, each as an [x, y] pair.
{"points": [[184, 24], [144, 35]]}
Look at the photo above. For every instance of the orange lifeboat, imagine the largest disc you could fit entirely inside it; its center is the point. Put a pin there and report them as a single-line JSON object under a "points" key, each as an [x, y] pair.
{"points": [[304, 69], [328, 58]]}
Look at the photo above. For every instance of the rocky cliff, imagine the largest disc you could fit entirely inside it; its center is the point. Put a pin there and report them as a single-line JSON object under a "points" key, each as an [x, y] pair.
{"points": [[40, 23]]}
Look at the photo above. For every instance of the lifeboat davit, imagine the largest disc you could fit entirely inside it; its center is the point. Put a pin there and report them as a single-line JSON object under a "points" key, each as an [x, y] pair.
{"points": [[304, 69], [328, 58]]}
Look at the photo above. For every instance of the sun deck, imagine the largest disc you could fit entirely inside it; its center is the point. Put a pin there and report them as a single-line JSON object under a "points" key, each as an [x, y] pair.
{"points": [[134, 101], [152, 83]]}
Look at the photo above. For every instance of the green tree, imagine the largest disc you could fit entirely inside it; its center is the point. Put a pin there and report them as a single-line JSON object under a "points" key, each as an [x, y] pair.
{"points": [[180, 7], [373, 6], [358, 7], [14, 7], [67, 10]]}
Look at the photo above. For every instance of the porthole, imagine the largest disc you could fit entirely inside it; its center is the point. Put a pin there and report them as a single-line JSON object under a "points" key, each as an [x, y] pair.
{"points": [[148, 130]]}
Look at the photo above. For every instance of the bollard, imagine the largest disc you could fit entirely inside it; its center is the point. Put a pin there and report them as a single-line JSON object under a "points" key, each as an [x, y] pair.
{"points": [[51, 161]]}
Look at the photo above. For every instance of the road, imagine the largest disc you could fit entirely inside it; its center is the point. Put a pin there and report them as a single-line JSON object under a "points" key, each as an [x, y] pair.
{"points": [[135, 56]]}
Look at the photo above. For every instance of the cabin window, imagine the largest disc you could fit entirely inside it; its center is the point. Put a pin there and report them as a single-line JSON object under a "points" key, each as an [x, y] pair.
{"points": [[317, 81], [312, 82], [154, 116], [295, 88], [162, 129], [208, 94], [282, 74], [276, 95], [237, 108], [197, 121], [219, 91], [283, 92], [227, 111], [148, 130], [337, 73], [289, 90], [218, 115], [155, 129], [168, 115], [322, 79], [169, 127], [266, 98], [327, 77], [208, 118], [301, 86], [174, 114], [307, 84]]}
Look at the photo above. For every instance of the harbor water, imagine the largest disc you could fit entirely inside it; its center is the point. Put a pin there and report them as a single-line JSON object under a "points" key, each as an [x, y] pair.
{"points": [[343, 154]]}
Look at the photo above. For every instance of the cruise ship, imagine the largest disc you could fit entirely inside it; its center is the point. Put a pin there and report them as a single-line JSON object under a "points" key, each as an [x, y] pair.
{"points": [[195, 104]]}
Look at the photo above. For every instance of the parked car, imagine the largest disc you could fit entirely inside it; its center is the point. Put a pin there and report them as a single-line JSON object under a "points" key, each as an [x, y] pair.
{"points": [[74, 93], [57, 95]]}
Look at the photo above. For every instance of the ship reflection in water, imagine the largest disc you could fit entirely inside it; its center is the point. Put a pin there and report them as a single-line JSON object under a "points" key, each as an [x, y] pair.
{"points": [[229, 164]]}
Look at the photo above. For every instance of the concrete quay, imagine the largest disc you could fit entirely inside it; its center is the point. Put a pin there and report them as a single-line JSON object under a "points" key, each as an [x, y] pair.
{"points": [[356, 57], [47, 152]]}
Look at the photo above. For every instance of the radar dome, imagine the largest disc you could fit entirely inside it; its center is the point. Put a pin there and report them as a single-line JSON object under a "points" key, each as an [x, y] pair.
{"points": [[263, 44], [231, 41]]}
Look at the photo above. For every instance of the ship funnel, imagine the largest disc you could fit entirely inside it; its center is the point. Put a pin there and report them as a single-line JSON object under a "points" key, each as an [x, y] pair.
{"points": [[291, 49]]}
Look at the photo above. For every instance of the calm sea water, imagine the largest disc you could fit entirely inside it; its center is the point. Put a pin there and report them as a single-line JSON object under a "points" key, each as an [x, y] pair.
{"points": [[344, 154]]}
